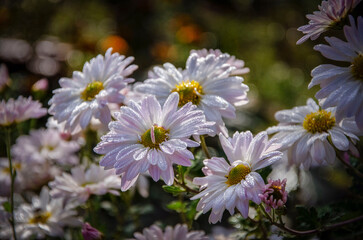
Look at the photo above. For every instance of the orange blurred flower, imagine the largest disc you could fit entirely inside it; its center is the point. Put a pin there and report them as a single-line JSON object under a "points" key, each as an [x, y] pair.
{"points": [[117, 43]]}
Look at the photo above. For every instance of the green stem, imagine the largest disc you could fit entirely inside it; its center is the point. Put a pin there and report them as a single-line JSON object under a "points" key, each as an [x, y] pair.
{"points": [[204, 147], [183, 185], [12, 178]]}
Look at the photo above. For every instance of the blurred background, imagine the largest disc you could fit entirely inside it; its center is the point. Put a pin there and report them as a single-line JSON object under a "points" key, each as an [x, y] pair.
{"points": [[52, 38]]}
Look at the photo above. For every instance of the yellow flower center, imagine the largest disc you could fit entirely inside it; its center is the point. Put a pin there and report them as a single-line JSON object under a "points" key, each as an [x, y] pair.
{"points": [[16, 166], [320, 121], [189, 91], [91, 90], [237, 174], [357, 67], [154, 136], [276, 193], [40, 218]]}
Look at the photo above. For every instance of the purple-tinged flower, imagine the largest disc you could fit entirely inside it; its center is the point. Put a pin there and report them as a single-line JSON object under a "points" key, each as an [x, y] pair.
{"points": [[81, 183], [275, 195], [148, 137], [90, 233], [342, 87], [19, 110], [44, 216], [309, 134], [206, 82], [46, 145], [331, 13], [179, 232], [239, 64], [88, 93], [230, 185]]}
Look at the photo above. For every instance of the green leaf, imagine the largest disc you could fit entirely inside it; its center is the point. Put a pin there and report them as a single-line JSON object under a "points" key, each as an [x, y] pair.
{"points": [[7, 206], [173, 189], [177, 206]]}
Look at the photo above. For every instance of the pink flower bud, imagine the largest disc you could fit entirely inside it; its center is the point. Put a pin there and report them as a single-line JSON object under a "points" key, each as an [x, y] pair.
{"points": [[90, 233]]}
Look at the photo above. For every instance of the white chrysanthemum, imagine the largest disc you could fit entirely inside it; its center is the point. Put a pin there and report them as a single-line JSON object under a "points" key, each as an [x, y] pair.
{"points": [[206, 82], [29, 175], [230, 185], [331, 14], [148, 137], [81, 183], [44, 145], [342, 87], [19, 110], [87, 93], [233, 61], [304, 131], [179, 232], [43, 217]]}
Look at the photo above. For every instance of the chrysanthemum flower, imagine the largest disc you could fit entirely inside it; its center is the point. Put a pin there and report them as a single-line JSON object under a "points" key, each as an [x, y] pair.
{"points": [[149, 137], [331, 14], [206, 82], [233, 61], [29, 175], [304, 131], [19, 110], [87, 93], [43, 217], [274, 195], [44, 145], [179, 232], [230, 185], [81, 183], [342, 87]]}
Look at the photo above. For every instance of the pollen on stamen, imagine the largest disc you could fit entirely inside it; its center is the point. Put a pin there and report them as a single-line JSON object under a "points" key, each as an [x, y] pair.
{"points": [[92, 89], [237, 174], [40, 218], [320, 121], [189, 91], [154, 136]]}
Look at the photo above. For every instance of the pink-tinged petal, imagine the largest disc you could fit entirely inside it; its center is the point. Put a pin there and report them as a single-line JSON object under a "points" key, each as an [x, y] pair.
{"points": [[155, 172]]}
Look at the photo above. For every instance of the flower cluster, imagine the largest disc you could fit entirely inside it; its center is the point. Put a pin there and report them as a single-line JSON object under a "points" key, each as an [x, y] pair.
{"points": [[158, 129]]}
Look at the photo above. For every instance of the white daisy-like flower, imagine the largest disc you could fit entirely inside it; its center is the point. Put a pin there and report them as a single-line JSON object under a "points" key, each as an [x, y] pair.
{"points": [[342, 87], [19, 110], [45, 216], [29, 176], [206, 82], [88, 93], [148, 137], [233, 61], [44, 145], [179, 232], [331, 14], [305, 132], [82, 183], [230, 185]]}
